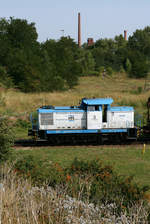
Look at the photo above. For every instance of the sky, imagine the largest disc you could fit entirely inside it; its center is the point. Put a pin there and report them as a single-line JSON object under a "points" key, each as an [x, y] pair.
{"points": [[99, 18]]}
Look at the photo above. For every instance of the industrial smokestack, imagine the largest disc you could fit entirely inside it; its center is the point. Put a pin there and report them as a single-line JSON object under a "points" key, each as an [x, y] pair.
{"points": [[79, 30], [125, 34]]}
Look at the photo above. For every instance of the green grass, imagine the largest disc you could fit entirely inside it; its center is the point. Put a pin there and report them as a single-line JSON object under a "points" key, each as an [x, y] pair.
{"points": [[126, 160]]}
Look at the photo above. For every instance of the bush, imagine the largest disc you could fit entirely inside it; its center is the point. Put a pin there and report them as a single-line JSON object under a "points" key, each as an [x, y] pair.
{"points": [[128, 66], [139, 69], [106, 186], [109, 71], [101, 69], [40, 171], [91, 73], [5, 79], [23, 124], [93, 181], [6, 139]]}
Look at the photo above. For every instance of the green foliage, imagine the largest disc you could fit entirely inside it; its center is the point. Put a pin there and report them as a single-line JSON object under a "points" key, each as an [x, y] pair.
{"points": [[128, 66], [87, 62], [5, 79], [101, 69], [91, 73], [92, 180], [63, 55], [122, 70], [105, 185], [21, 34], [6, 139], [36, 67], [139, 68], [56, 65], [137, 91], [39, 171], [138, 52], [109, 71], [23, 123]]}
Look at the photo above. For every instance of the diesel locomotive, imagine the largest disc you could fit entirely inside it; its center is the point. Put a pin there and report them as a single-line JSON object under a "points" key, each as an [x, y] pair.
{"points": [[94, 120]]}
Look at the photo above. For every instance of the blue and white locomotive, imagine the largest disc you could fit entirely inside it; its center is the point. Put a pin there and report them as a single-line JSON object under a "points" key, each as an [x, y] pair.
{"points": [[93, 120]]}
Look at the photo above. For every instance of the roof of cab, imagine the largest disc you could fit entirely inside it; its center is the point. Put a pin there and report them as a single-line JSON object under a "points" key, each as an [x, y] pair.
{"points": [[97, 101]]}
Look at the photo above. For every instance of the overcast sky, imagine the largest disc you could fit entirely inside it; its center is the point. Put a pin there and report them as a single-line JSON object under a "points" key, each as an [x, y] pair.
{"points": [[99, 18]]}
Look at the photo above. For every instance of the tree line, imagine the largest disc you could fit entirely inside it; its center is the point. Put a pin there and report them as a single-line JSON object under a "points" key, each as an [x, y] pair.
{"points": [[54, 65]]}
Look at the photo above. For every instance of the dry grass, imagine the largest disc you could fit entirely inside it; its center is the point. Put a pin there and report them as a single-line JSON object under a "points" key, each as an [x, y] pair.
{"points": [[23, 204], [123, 90]]}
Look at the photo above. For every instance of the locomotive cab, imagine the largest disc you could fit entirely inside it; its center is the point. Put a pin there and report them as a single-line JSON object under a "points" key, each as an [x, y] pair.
{"points": [[97, 112]]}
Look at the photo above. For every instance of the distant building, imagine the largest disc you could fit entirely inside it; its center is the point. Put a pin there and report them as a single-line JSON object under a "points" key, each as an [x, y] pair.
{"points": [[90, 42]]}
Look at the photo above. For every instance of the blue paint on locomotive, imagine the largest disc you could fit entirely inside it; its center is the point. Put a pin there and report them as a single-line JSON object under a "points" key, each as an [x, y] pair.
{"points": [[92, 131], [58, 111], [113, 109], [98, 101]]}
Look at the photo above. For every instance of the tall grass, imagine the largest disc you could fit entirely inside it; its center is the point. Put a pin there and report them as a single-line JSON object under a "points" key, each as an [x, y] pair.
{"points": [[123, 90], [21, 203]]}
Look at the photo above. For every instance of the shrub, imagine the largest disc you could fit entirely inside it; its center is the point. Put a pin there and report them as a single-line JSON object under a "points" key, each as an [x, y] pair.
{"points": [[39, 171], [6, 139], [92, 181], [122, 70], [140, 67], [5, 79], [101, 70], [139, 90], [109, 71], [22, 124], [23, 203], [128, 66], [91, 73], [105, 185]]}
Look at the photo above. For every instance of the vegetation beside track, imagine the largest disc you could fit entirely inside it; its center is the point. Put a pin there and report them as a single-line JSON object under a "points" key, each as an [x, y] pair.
{"points": [[126, 160], [86, 193]]}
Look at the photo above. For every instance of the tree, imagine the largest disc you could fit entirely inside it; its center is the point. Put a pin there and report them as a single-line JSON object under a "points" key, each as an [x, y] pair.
{"points": [[140, 41], [128, 66], [63, 56], [139, 52], [21, 33], [104, 53], [139, 63], [87, 62]]}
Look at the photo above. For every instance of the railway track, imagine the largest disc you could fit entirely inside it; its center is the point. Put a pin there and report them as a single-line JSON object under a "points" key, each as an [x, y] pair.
{"points": [[44, 143]]}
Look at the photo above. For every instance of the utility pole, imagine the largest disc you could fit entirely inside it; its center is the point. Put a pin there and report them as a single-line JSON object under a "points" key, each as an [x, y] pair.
{"points": [[62, 32]]}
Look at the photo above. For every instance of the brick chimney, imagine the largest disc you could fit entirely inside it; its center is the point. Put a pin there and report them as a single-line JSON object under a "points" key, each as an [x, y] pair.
{"points": [[90, 42], [79, 30], [125, 34]]}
